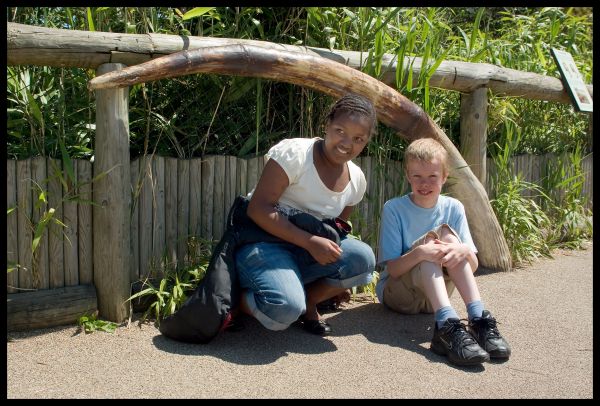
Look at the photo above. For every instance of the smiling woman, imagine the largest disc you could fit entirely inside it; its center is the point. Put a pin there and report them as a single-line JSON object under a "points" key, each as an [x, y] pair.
{"points": [[314, 176]]}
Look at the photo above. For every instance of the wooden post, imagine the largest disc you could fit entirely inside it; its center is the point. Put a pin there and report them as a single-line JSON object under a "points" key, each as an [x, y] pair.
{"points": [[473, 131], [113, 196]]}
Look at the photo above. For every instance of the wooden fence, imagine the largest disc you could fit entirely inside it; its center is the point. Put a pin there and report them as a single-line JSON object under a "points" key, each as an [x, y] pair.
{"points": [[105, 52], [173, 199]]}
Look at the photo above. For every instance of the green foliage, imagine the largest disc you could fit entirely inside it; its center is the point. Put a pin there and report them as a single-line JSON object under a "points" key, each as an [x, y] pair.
{"points": [[538, 218], [166, 289], [11, 266], [51, 113], [47, 215], [563, 183], [521, 218], [369, 288], [90, 323], [209, 114]]}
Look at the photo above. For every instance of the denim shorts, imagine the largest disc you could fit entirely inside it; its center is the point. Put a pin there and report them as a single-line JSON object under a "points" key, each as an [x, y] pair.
{"points": [[274, 275]]}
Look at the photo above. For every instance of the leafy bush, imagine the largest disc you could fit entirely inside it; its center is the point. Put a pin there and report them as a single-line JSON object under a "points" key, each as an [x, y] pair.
{"points": [[563, 183], [165, 290], [90, 323]]}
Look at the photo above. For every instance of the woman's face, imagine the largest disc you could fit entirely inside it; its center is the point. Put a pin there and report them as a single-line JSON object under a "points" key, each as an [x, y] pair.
{"points": [[346, 136]]}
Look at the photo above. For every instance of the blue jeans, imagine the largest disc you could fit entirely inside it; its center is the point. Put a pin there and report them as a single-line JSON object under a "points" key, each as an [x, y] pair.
{"points": [[273, 276]]}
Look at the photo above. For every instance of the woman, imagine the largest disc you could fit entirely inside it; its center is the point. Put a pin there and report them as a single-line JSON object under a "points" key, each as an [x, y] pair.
{"points": [[314, 176]]}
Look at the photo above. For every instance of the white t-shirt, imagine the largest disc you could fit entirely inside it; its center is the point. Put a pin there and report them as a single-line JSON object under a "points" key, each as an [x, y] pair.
{"points": [[306, 191]]}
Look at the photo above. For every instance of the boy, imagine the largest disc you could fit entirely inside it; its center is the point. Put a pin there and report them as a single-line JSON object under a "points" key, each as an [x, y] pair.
{"points": [[427, 251]]}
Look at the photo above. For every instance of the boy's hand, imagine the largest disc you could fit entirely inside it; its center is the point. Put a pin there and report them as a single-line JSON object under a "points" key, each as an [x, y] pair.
{"points": [[455, 253], [433, 251], [323, 250]]}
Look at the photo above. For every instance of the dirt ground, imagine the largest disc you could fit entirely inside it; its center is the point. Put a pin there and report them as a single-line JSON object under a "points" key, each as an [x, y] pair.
{"points": [[544, 310]]}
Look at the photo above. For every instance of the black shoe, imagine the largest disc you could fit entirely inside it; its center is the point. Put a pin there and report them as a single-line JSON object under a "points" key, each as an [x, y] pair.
{"points": [[327, 306], [487, 335], [455, 341], [318, 327], [235, 325], [233, 322]]}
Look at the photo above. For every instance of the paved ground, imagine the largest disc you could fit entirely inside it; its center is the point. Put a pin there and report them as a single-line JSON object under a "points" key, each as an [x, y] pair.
{"points": [[545, 311]]}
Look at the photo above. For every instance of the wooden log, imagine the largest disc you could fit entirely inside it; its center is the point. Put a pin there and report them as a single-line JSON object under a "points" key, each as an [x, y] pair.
{"points": [[24, 232], [241, 188], [134, 221], [218, 197], [334, 79], [171, 208], [71, 240], [49, 308], [112, 193], [158, 212], [12, 254], [183, 209], [208, 174], [473, 131], [230, 185], [145, 220], [40, 256], [195, 197], [84, 223], [31, 45], [56, 257]]}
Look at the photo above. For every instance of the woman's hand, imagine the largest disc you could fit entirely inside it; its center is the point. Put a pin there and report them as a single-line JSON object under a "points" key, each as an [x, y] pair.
{"points": [[323, 250]]}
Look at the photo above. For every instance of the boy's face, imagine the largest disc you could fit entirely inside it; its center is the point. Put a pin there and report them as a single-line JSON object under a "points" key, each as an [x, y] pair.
{"points": [[426, 180]]}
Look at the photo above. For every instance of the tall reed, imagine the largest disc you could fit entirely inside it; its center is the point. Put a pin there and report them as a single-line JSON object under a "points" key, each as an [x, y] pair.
{"points": [[521, 219]]}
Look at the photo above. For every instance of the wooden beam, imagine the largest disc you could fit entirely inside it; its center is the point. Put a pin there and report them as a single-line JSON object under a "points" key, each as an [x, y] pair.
{"points": [[31, 45], [334, 79], [112, 193], [50, 307]]}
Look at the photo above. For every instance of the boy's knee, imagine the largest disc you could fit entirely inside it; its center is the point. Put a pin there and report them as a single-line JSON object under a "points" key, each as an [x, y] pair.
{"points": [[447, 235], [428, 269], [462, 265]]}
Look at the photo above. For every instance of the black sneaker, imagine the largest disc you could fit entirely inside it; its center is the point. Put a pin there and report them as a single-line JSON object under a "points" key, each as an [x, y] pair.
{"points": [[455, 341], [487, 335]]}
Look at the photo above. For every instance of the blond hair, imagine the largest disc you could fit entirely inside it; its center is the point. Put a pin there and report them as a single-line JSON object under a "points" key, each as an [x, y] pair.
{"points": [[426, 149]]}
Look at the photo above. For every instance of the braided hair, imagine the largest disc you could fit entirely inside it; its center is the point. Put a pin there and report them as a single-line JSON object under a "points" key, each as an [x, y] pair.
{"points": [[354, 104]]}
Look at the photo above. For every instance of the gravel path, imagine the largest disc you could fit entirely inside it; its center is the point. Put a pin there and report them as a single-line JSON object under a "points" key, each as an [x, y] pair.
{"points": [[544, 310]]}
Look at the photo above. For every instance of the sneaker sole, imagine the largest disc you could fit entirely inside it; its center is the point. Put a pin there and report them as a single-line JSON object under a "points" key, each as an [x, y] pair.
{"points": [[441, 350], [499, 355]]}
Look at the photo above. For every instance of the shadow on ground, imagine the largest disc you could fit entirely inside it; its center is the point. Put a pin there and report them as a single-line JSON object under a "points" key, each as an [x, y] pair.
{"points": [[255, 345], [410, 332]]}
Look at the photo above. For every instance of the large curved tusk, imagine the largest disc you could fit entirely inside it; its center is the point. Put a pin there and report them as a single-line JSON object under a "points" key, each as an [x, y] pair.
{"points": [[334, 79]]}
